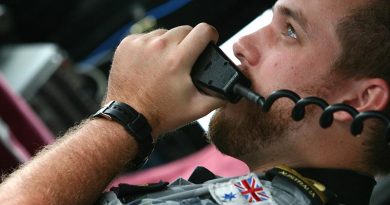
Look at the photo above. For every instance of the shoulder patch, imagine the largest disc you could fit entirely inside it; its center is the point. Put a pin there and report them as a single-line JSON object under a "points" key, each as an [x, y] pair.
{"points": [[242, 190]]}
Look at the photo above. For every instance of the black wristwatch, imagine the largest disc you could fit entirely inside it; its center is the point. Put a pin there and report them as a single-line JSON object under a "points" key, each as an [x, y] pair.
{"points": [[134, 123]]}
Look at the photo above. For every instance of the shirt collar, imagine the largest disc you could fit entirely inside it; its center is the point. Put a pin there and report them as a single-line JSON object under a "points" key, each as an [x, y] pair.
{"points": [[350, 187]]}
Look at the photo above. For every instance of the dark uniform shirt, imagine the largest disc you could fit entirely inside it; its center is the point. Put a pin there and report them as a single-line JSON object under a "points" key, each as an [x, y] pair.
{"points": [[278, 186]]}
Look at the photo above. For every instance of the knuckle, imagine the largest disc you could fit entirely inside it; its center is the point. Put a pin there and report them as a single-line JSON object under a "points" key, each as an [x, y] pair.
{"points": [[207, 28], [209, 31], [158, 43], [129, 38], [126, 40], [159, 30], [186, 27], [173, 62], [203, 24]]}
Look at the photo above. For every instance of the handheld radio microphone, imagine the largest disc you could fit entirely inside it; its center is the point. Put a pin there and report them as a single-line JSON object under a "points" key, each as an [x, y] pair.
{"points": [[216, 75]]}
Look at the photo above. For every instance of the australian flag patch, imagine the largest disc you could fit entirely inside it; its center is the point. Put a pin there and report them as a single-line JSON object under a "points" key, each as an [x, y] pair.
{"points": [[252, 189], [242, 190]]}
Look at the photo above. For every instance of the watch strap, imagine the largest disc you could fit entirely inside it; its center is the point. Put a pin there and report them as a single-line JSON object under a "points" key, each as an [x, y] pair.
{"points": [[134, 123]]}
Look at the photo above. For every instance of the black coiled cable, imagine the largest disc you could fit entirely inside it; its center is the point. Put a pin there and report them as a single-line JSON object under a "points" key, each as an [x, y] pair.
{"points": [[326, 119]]}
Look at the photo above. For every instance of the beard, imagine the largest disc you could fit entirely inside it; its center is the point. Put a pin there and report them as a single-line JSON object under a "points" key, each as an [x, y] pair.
{"points": [[245, 132], [250, 129]]}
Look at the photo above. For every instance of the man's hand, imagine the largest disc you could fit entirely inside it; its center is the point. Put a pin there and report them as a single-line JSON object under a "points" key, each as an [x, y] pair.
{"points": [[151, 72]]}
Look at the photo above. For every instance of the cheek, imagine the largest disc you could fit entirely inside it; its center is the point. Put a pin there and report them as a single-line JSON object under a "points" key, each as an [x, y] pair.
{"points": [[276, 73], [289, 73]]}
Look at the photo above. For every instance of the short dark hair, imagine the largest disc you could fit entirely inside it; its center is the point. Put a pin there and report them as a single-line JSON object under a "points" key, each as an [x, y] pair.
{"points": [[365, 40]]}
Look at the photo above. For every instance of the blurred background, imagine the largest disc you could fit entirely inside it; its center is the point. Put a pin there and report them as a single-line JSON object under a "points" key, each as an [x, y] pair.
{"points": [[55, 57]]}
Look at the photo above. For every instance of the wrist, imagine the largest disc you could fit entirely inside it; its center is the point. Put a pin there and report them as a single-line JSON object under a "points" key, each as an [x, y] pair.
{"points": [[150, 113], [135, 124], [115, 133]]}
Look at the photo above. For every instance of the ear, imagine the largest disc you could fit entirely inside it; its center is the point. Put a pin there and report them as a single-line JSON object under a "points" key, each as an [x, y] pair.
{"points": [[364, 95]]}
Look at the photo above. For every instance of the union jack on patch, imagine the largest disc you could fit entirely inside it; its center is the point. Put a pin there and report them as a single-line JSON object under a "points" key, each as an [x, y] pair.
{"points": [[252, 190]]}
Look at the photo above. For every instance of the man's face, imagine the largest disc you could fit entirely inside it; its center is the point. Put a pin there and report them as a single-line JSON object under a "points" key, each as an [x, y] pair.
{"points": [[296, 52]]}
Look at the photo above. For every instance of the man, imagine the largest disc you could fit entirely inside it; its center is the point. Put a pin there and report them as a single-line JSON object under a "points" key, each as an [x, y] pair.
{"points": [[338, 50]]}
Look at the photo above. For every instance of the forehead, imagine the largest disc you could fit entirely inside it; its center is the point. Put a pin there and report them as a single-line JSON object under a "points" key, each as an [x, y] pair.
{"points": [[321, 17], [330, 11]]}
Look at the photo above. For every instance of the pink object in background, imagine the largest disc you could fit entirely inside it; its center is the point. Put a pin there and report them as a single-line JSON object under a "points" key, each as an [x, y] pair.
{"points": [[27, 133]]}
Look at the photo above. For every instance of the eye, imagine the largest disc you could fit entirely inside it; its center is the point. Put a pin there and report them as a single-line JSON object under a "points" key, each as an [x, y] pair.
{"points": [[290, 32]]}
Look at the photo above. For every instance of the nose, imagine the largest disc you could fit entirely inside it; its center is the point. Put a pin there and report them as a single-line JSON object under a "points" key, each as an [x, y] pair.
{"points": [[246, 51]]}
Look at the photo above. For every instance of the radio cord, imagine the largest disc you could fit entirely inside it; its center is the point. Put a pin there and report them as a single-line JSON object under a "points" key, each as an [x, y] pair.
{"points": [[326, 118]]}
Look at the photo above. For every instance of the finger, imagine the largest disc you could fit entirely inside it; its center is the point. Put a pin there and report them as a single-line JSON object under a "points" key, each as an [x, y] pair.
{"points": [[196, 41], [178, 33], [157, 32], [131, 37], [145, 36]]}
